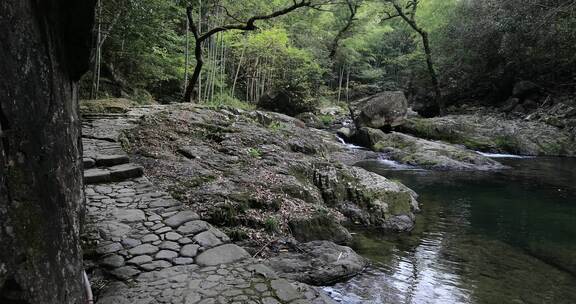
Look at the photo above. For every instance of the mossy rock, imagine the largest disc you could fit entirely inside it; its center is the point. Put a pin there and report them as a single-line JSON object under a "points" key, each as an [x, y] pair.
{"points": [[106, 106]]}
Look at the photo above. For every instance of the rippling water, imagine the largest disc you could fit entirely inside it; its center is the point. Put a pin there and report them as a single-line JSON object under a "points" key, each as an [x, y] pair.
{"points": [[483, 237]]}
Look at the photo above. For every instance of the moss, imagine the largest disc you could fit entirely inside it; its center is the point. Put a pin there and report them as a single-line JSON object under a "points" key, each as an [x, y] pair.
{"points": [[327, 120], [272, 225], [112, 105], [276, 126], [237, 234]]}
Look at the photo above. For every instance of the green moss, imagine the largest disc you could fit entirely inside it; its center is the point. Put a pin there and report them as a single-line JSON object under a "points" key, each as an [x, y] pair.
{"points": [[112, 105], [272, 225], [327, 120], [276, 126]]}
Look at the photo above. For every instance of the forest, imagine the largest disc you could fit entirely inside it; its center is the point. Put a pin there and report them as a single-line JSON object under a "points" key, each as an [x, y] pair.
{"points": [[287, 151], [456, 51]]}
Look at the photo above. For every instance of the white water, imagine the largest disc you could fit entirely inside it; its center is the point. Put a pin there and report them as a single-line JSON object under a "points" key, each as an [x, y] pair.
{"points": [[496, 155], [349, 146]]}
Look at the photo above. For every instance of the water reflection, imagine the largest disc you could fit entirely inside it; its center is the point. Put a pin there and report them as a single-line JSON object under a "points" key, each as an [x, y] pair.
{"points": [[483, 237]]}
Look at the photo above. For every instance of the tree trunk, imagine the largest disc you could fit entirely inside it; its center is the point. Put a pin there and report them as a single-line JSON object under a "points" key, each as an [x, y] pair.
{"points": [[191, 92], [186, 53], [433, 76], [427, 50], [45, 49]]}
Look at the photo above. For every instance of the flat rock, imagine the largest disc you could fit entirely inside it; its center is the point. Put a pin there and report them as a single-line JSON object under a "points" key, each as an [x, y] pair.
{"points": [[113, 229], [190, 250], [284, 290], [111, 160], [129, 215], [125, 272], [143, 249], [225, 254], [164, 203], [170, 246], [181, 218], [113, 261], [166, 255], [93, 176], [109, 248], [183, 261], [318, 263], [139, 260], [193, 227], [207, 239], [125, 171], [172, 236], [156, 265]]}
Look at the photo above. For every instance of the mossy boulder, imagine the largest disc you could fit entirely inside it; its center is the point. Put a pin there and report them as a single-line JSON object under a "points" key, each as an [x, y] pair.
{"points": [[429, 154], [497, 134]]}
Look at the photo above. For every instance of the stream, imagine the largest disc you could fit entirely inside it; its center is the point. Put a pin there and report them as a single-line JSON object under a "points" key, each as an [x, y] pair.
{"points": [[483, 237]]}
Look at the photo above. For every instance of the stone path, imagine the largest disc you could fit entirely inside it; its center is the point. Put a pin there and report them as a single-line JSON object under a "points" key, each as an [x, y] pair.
{"points": [[146, 247]]}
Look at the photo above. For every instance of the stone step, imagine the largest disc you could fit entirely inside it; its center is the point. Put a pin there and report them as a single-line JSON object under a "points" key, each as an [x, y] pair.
{"points": [[111, 160], [114, 173], [125, 171]]}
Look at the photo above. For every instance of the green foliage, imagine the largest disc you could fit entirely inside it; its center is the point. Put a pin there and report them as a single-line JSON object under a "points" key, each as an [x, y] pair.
{"points": [[255, 152], [276, 126], [272, 225], [225, 100], [326, 119], [480, 48]]}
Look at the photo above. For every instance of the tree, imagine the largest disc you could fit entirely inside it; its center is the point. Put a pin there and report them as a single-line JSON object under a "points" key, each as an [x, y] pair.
{"points": [[248, 25], [353, 6], [408, 14], [45, 50]]}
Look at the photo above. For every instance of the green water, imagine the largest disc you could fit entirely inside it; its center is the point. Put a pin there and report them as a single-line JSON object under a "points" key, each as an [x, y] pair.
{"points": [[483, 237]]}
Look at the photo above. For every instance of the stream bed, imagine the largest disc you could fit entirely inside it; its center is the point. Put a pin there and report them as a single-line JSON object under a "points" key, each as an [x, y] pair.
{"points": [[483, 237]]}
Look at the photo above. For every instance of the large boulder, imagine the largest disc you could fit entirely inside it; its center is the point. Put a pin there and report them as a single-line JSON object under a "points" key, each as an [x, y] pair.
{"points": [[366, 198], [538, 135], [319, 227], [386, 109], [429, 154], [285, 102], [318, 263]]}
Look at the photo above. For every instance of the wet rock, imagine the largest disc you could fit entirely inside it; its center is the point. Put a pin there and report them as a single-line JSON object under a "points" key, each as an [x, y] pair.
{"points": [[428, 154], [497, 133], [318, 263], [319, 227]]}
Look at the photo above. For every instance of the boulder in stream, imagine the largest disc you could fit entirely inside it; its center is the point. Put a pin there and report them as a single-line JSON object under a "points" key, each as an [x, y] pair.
{"points": [[318, 263], [385, 109]]}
